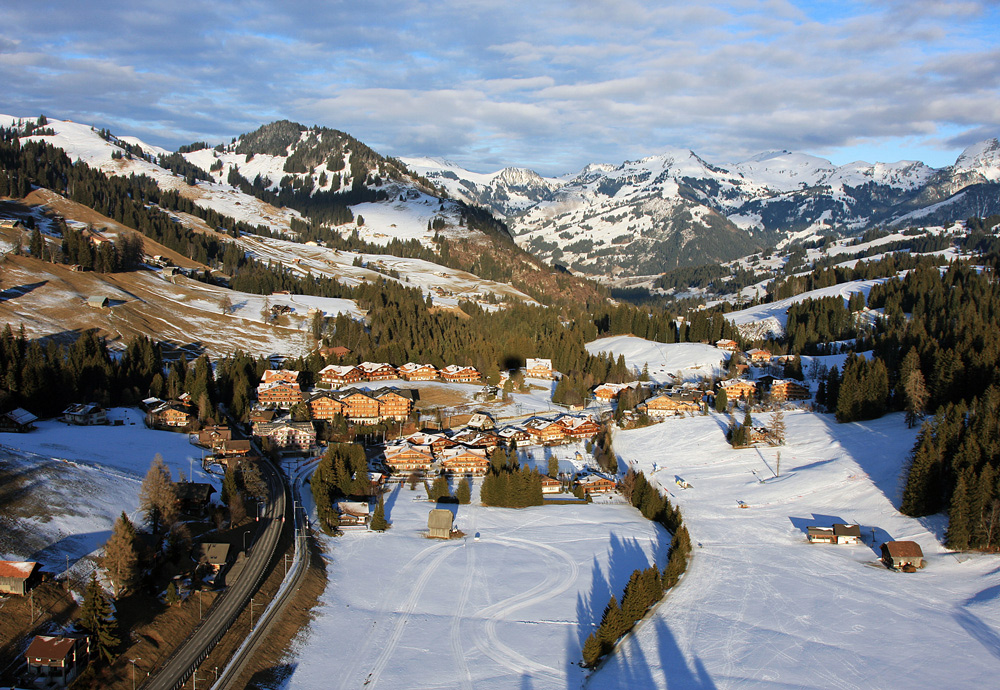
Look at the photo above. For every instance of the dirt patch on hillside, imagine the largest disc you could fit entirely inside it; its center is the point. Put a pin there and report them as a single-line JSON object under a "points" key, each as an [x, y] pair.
{"points": [[440, 396]]}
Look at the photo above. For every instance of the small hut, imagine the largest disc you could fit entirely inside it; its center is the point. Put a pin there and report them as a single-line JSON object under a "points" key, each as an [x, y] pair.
{"points": [[439, 523]]}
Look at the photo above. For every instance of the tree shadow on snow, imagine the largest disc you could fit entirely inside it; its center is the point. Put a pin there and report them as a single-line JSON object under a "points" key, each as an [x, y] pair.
{"points": [[390, 501]]}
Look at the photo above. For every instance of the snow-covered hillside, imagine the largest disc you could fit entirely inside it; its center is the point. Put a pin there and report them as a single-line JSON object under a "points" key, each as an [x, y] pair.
{"points": [[666, 362]]}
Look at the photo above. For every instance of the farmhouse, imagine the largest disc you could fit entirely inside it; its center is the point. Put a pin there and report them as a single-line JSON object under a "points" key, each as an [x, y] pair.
{"points": [[17, 420], [56, 661], [899, 554], [17, 577], [538, 369], [85, 414]]}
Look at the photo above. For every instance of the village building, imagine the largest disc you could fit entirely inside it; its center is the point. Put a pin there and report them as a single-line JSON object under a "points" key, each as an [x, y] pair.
{"points": [[354, 513], [404, 458], [325, 405], [234, 451], [456, 374], [280, 375], [783, 389], [412, 371], [473, 438], [171, 414], [85, 414], [464, 461], [17, 420], [900, 554], [437, 442], [545, 432], [55, 661], [481, 420], [17, 577], [847, 534], [262, 416], [758, 356], [551, 486], [194, 498], [727, 345], [667, 405], [214, 436], [213, 554], [291, 436], [279, 394], [439, 523], [377, 371], [606, 392], [361, 407], [738, 389], [596, 484], [340, 375], [820, 535], [515, 436], [583, 428], [394, 403], [538, 369]]}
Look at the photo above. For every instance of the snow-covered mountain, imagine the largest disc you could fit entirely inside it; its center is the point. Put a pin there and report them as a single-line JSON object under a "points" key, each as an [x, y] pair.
{"points": [[675, 208], [506, 192]]}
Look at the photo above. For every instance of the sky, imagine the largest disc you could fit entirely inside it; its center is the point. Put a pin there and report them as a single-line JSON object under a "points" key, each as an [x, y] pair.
{"points": [[552, 86]]}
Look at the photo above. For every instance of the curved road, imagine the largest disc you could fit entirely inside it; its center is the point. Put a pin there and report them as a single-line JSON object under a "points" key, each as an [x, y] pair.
{"points": [[193, 651]]}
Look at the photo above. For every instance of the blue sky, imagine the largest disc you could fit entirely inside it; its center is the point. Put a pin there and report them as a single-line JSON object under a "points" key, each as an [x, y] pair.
{"points": [[551, 85]]}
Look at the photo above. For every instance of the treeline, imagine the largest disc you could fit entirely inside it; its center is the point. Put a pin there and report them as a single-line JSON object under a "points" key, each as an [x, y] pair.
{"points": [[508, 485], [645, 587], [821, 277], [815, 322]]}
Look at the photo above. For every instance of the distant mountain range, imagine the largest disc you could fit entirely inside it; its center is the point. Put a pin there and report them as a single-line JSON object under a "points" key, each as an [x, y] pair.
{"points": [[646, 216], [636, 218]]}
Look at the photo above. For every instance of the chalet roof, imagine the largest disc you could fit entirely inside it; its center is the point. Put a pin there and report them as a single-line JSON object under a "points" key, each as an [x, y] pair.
{"points": [[236, 445], [19, 570], [50, 647], [537, 363], [193, 491], [389, 390], [338, 369], [82, 408], [728, 383], [452, 453], [20, 416], [413, 366], [214, 553], [842, 530], [356, 508], [593, 479], [903, 549], [375, 366]]}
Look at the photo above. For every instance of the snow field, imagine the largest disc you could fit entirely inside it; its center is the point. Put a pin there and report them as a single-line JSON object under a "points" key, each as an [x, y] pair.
{"points": [[761, 607], [667, 362]]}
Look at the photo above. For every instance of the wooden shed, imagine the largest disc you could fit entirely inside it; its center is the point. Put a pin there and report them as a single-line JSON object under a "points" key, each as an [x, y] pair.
{"points": [[899, 554], [439, 523], [17, 577]]}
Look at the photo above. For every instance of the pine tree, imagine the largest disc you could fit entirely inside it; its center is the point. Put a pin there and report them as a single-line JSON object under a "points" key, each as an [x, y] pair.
{"points": [[120, 559], [463, 492], [959, 516], [439, 489], [157, 496], [777, 427], [95, 617], [592, 650], [553, 467], [379, 523], [721, 401], [915, 396], [172, 598]]}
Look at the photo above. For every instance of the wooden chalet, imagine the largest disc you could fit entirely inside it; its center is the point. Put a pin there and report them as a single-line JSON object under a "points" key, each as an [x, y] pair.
{"points": [[325, 405], [172, 415], [437, 442], [551, 486], [394, 403], [727, 345], [213, 554], [377, 371], [607, 392], [456, 374], [293, 436], [194, 498], [578, 427], [360, 406], [406, 458], [596, 484], [354, 513], [538, 369], [262, 416], [54, 661], [667, 405], [17, 577], [512, 435], [900, 554], [738, 389], [234, 448], [412, 371], [280, 375], [847, 534], [545, 432], [481, 420], [85, 414], [758, 356], [783, 389], [279, 394], [214, 436], [17, 420], [465, 461], [340, 375]]}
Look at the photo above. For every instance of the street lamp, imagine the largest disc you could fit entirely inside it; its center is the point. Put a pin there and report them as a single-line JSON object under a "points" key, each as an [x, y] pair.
{"points": [[138, 658]]}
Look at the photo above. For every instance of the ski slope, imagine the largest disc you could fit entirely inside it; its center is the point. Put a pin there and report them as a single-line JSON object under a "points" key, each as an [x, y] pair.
{"points": [[666, 362]]}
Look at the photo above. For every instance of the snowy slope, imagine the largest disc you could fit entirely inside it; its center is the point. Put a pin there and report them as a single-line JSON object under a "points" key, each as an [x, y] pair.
{"points": [[762, 608], [667, 362]]}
